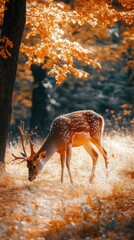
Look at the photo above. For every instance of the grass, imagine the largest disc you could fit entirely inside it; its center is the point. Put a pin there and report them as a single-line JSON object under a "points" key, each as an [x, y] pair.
{"points": [[47, 209]]}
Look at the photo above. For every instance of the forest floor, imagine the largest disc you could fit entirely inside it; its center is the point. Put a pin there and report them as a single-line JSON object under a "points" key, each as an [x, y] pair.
{"points": [[47, 209]]}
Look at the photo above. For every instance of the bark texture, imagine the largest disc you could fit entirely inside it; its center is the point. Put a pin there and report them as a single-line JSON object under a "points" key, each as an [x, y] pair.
{"points": [[13, 26]]}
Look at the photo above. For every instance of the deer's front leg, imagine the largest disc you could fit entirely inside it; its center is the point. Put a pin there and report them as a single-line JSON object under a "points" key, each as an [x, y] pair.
{"points": [[94, 156], [68, 158], [63, 158]]}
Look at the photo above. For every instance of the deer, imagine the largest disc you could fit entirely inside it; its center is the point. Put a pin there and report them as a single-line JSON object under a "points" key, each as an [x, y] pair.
{"points": [[75, 129]]}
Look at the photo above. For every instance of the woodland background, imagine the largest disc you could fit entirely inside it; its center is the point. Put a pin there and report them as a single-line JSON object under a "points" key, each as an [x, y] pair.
{"points": [[38, 99], [109, 91]]}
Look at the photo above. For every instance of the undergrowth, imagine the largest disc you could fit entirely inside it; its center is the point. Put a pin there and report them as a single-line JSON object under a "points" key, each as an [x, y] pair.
{"points": [[47, 209]]}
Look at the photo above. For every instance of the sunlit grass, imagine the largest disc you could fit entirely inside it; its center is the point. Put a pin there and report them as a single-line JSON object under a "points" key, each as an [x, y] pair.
{"points": [[31, 206]]}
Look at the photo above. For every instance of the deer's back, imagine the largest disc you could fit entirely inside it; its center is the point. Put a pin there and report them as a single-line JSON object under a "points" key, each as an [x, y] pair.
{"points": [[85, 122]]}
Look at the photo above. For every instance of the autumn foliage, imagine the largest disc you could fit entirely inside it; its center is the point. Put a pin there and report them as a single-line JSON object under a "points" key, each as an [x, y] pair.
{"points": [[6, 44], [51, 25]]}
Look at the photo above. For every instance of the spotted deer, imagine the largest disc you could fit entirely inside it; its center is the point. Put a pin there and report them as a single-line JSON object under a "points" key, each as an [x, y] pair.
{"points": [[80, 128]]}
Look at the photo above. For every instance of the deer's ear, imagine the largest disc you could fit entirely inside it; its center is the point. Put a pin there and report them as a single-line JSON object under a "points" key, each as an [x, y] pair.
{"points": [[43, 154]]}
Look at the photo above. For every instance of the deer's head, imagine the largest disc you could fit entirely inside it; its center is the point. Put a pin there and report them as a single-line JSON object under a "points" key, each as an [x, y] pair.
{"points": [[34, 163]]}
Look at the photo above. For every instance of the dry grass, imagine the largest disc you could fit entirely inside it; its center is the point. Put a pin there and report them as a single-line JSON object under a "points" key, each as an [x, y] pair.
{"points": [[47, 209]]}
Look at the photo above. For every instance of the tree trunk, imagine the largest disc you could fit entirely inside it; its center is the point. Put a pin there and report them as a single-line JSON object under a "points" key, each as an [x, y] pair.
{"points": [[13, 26], [39, 112]]}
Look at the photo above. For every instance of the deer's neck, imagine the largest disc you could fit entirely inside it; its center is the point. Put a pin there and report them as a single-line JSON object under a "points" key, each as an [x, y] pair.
{"points": [[50, 147]]}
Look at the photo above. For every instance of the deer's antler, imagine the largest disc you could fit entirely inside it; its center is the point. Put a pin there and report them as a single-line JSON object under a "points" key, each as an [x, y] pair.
{"points": [[19, 158], [32, 149], [25, 136]]}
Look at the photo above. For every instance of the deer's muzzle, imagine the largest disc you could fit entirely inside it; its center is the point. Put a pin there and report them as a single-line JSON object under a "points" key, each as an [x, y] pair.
{"points": [[31, 178]]}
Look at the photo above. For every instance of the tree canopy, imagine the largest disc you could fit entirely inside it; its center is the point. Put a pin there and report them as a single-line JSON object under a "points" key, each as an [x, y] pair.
{"points": [[51, 26]]}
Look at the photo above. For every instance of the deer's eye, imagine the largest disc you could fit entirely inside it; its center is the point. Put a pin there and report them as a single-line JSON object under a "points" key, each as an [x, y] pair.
{"points": [[34, 166]]}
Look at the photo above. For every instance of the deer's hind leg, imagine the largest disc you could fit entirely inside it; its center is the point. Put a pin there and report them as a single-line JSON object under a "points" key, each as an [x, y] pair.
{"points": [[63, 158], [89, 149], [97, 143]]}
